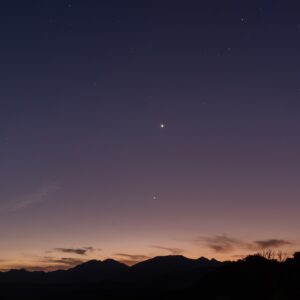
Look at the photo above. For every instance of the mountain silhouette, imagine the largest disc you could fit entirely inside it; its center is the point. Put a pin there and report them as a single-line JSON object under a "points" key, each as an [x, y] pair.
{"points": [[162, 277], [90, 271], [98, 268], [98, 265], [168, 264]]}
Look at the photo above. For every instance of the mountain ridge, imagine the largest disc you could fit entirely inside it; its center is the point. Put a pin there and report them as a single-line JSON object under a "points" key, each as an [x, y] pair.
{"points": [[163, 277], [94, 263]]}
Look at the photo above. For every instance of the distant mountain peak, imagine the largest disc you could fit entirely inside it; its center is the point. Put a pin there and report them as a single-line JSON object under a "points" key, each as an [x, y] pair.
{"points": [[88, 264], [111, 261], [202, 258]]}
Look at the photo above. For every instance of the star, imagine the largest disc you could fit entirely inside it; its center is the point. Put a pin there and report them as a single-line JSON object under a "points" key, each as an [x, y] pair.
{"points": [[162, 125]]}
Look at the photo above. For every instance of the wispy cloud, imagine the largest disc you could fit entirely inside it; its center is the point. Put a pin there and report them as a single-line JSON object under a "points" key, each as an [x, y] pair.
{"points": [[239, 256], [46, 263], [271, 243], [39, 195], [130, 259], [224, 243], [221, 243], [50, 263], [79, 251], [67, 261], [173, 251]]}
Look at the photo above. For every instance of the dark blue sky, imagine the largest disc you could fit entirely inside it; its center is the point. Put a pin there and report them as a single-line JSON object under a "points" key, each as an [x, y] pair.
{"points": [[85, 86]]}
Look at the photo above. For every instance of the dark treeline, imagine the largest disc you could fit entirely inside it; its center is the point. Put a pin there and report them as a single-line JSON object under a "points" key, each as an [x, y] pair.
{"points": [[167, 277]]}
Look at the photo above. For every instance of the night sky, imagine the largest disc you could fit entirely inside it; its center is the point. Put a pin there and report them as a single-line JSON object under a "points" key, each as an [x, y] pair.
{"points": [[130, 129]]}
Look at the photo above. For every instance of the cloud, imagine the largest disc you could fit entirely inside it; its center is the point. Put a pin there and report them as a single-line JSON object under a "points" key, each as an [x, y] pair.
{"points": [[38, 196], [271, 243], [53, 263], [69, 261], [78, 251], [221, 243], [47, 264], [174, 251], [132, 256], [239, 256], [224, 243], [131, 259]]}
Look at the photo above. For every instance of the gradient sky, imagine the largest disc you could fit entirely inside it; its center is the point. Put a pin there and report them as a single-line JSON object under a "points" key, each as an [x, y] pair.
{"points": [[86, 171]]}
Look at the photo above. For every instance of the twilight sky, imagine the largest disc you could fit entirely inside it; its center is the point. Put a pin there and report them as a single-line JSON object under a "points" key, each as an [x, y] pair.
{"points": [[86, 169]]}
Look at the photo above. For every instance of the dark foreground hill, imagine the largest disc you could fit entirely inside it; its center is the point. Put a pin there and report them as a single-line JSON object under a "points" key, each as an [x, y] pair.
{"points": [[168, 277]]}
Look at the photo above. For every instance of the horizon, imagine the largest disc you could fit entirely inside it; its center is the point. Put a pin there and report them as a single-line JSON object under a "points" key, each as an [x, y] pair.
{"points": [[278, 255], [133, 129], [273, 256], [37, 268]]}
